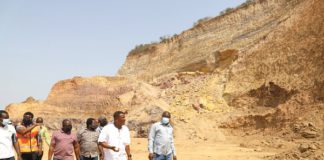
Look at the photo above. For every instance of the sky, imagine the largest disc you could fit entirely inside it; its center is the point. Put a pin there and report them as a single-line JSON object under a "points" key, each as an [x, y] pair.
{"points": [[44, 41]]}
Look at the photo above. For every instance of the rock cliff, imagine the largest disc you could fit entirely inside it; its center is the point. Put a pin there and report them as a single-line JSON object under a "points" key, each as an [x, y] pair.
{"points": [[257, 68]]}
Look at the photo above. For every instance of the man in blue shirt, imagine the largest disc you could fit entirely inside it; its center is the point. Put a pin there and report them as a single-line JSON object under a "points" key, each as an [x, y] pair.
{"points": [[161, 146]]}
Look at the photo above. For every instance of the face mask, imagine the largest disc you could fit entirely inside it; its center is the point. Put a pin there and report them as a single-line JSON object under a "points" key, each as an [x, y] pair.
{"points": [[27, 122], [165, 120], [67, 129], [103, 123], [93, 127], [6, 122]]}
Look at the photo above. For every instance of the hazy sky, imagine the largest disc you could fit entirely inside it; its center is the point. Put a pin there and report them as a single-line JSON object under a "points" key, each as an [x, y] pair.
{"points": [[43, 41]]}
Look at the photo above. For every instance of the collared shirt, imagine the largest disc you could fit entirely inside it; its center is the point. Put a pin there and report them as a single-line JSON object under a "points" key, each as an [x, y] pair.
{"points": [[99, 129], [119, 138], [88, 142], [7, 135], [161, 139], [64, 147]]}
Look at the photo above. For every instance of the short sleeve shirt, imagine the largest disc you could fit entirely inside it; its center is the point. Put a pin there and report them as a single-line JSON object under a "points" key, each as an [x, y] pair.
{"points": [[6, 141], [115, 137], [88, 142], [63, 145]]}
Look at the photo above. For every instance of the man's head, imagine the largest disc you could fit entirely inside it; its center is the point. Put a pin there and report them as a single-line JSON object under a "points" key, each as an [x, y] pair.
{"points": [[119, 118], [4, 116], [102, 121], [28, 118], [166, 116], [92, 124], [39, 120], [66, 126]]}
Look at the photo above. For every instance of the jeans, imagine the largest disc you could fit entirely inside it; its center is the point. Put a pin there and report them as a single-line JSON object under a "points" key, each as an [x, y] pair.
{"points": [[11, 158], [88, 158], [162, 157]]}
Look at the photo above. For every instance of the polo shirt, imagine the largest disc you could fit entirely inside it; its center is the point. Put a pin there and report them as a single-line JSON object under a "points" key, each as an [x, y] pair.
{"points": [[64, 147]]}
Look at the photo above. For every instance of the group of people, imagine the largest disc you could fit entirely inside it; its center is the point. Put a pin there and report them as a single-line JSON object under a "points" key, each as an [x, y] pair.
{"points": [[99, 140]]}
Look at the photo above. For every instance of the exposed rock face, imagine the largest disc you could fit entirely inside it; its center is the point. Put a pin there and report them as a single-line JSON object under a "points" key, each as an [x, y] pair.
{"points": [[243, 29], [217, 72], [80, 98], [85, 93], [279, 41]]}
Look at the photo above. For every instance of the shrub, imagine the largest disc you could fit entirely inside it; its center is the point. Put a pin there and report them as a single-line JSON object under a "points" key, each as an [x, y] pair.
{"points": [[201, 20]]}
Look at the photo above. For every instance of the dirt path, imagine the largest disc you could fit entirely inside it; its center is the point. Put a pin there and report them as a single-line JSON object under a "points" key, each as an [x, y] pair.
{"points": [[202, 151], [198, 151]]}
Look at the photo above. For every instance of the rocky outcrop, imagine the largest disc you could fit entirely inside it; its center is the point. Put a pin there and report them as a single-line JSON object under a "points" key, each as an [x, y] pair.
{"points": [[257, 67], [241, 29], [266, 41], [79, 98]]}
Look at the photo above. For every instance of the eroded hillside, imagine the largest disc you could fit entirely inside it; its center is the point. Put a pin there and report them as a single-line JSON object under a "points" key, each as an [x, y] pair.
{"points": [[254, 76]]}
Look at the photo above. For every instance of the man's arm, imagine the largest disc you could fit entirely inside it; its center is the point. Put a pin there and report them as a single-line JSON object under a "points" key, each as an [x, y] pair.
{"points": [[47, 136], [151, 138], [101, 153], [173, 149], [23, 130], [127, 144], [76, 150], [51, 149], [40, 144], [105, 145], [129, 155], [102, 140]]}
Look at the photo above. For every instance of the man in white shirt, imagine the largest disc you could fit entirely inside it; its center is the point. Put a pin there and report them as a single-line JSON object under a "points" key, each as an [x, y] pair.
{"points": [[115, 139], [8, 140]]}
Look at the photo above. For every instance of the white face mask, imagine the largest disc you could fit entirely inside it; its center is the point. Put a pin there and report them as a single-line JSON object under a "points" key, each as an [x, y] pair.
{"points": [[6, 122], [165, 120]]}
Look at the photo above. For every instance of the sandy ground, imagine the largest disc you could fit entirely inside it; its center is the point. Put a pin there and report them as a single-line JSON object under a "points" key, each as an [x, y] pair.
{"points": [[197, 151]]}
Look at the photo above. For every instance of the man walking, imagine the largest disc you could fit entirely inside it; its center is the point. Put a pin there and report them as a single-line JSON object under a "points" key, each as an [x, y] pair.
{"points": [[160, 145], [43, 132], [88, 140], [63, 143], [115, 139], [8, 141], [102, 123], [29, 139]]}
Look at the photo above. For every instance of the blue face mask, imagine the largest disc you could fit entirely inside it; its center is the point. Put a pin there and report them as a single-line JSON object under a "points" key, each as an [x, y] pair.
{"points": [[165, 120]]}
